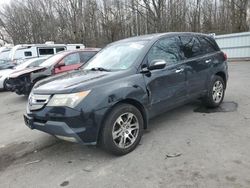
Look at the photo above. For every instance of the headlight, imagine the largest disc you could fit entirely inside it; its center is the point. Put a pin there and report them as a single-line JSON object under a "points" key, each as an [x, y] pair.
{"points": [[70, 100]]}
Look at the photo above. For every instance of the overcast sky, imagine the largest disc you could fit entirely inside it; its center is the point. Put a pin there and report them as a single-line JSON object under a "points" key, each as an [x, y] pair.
{"points": [[4, 2]]}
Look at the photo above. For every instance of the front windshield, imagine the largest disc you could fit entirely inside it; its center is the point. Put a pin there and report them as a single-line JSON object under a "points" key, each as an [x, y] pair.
{"points": [[30, 63], [52, 60], [119, 56]]}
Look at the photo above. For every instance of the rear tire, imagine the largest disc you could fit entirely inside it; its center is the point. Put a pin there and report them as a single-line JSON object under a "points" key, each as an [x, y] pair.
{"points": [[216, 92], [122, 129]]}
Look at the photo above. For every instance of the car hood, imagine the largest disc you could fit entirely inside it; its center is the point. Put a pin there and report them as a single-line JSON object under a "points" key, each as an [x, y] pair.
{"points": [[75, 81], [6, 72], [18, 73]]}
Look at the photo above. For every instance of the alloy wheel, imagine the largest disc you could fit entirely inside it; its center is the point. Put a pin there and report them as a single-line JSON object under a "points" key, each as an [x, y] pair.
{"points": [[125, 130], [218, 90]]}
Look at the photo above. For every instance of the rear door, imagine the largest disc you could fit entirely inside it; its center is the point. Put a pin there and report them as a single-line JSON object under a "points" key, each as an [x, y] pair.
{"points": [[198, 63], [166, 87], [69, 62]]}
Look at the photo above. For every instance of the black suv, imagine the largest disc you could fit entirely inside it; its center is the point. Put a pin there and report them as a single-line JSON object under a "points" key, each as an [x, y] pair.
{"points": [[111, 98]]}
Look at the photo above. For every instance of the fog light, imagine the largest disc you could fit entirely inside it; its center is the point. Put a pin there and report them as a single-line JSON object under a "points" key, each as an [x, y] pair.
{"points": [[66, 138]]}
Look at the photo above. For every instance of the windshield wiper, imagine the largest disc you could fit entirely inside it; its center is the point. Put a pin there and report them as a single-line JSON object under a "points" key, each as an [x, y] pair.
{"points": [[99, 69]]}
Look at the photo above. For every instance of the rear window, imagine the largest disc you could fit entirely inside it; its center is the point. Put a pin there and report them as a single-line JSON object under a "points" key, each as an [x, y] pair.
{"points": [[85, 56], [46, 51]]}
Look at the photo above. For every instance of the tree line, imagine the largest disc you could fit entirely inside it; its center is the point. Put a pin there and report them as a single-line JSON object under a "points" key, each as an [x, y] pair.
{"points": [[98, 22]]}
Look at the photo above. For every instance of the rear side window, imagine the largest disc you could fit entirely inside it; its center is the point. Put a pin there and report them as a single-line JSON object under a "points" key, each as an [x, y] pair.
{"points": [[46, 51], [85, 56], [167, 49], [206, 45], [190, 46], [60, 49], [28, 53]]}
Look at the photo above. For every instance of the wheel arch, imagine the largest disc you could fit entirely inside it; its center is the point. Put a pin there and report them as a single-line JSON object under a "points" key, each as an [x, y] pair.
{"points": [[130, 101], [223, 76]]}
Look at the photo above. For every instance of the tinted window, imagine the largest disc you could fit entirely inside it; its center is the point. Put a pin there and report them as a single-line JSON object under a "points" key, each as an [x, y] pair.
{"points": [[46, 51], [167, 49], [85, 56], [60, 49], [28, 53], [206, 45], [190, 46], [72, 59]]}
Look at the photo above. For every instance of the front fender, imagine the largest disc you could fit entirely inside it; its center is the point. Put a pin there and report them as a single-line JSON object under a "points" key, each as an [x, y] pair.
{"points": [[107, 95]]}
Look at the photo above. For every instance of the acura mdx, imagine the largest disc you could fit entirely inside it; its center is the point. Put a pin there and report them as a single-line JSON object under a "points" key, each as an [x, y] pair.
{"points": [[110, 100]]}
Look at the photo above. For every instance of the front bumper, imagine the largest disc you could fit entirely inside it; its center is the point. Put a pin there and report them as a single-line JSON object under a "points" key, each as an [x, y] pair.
{"points": [[1, 83], [67, 123], [22, 86]]}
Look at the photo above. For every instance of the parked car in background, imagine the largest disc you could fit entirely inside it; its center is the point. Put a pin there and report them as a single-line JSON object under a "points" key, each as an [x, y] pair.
{"points": [[6, 64], [30, 63], [110, 100], [22, 81], [24, 51]]}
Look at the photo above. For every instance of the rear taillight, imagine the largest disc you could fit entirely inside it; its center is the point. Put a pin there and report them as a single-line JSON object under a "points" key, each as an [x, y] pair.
{"points": [[225, 56]]}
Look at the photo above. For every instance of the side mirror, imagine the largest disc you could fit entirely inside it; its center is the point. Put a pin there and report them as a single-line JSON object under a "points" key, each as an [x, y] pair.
{"points": [[157, 64]]}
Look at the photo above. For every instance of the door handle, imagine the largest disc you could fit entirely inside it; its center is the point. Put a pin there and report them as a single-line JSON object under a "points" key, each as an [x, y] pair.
{"points": [[208, 61], [179, 70]]}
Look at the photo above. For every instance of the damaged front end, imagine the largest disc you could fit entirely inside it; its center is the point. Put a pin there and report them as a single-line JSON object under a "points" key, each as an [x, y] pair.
{"points": [[22, 85]]}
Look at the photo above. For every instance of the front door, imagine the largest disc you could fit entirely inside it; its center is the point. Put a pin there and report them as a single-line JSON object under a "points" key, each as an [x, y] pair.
{"points": [[70, 62], [166, 87]]}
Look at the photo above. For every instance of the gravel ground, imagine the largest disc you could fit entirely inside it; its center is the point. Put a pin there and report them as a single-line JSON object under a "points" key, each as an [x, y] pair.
{"points": [[186, 147]]}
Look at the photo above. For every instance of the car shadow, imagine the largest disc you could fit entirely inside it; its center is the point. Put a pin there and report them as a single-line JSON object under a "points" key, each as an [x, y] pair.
{"points": [[55, 149]]}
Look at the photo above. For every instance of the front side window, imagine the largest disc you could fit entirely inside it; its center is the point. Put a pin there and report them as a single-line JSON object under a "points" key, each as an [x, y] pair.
{"points": [[167, 49], [72, 59], [118, 56]]}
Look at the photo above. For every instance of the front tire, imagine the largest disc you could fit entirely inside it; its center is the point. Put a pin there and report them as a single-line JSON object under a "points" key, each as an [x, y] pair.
{"points": [[122, 129], [5, 88], [216, 92]]}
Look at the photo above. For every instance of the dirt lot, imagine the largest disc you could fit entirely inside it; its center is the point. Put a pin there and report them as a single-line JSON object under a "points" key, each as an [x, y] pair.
{"points": [[186, 147]]}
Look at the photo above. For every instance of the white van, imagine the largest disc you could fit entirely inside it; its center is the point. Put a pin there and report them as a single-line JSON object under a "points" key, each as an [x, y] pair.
{"points": [[4, 52], [24, 51]]}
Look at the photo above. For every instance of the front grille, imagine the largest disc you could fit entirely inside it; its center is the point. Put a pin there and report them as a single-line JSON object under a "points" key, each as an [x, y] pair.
{"points": [[37, 102]]}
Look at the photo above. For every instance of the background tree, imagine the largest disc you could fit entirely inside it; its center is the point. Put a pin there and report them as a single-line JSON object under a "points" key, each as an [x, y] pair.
{"points": [[99, 22]]}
